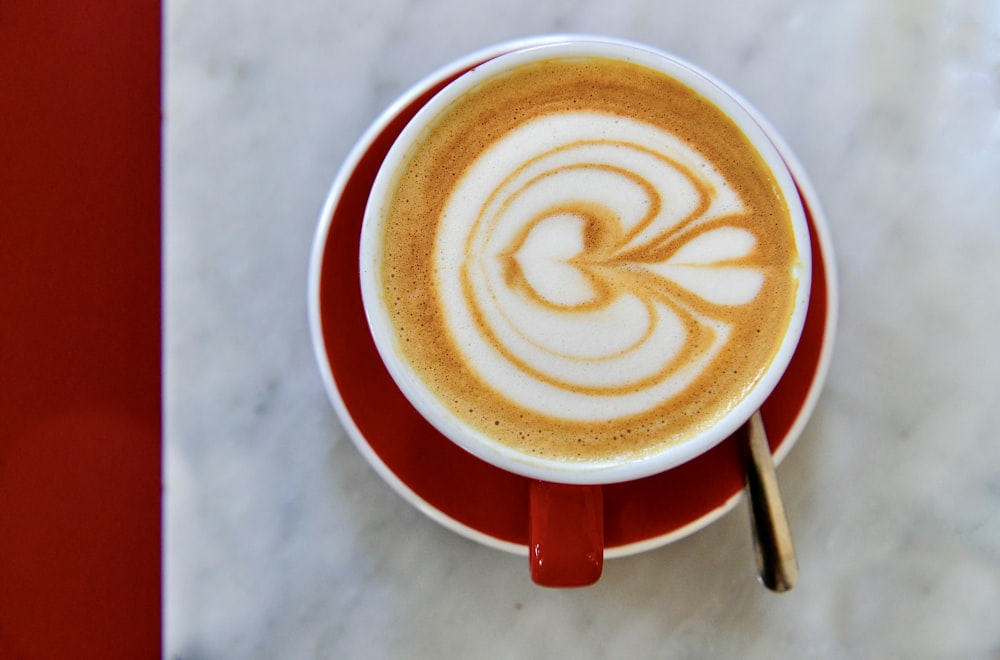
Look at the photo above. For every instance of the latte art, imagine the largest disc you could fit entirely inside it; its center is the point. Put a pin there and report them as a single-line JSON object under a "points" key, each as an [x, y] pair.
{"points": [[577, 259], [585, 260]]}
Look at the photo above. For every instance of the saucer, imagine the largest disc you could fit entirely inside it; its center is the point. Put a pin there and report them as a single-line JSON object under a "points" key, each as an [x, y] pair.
{"points": [[468, 495]]}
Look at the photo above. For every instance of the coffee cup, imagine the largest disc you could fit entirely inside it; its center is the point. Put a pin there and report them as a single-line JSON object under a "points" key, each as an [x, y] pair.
{"points": [[584, 262]]}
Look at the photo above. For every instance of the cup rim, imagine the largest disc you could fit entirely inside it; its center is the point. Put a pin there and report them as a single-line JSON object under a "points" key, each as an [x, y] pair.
{"points": [[494, 452]]}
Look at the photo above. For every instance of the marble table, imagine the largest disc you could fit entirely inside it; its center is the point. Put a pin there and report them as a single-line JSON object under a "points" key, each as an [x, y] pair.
{"points": [[282, 542]]}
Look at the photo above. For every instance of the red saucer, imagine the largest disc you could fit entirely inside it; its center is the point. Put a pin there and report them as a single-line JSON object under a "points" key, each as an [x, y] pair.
{"points": [[468, 495]]}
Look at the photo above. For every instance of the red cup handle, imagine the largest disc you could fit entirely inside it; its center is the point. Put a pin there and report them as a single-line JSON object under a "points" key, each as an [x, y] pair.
{"points": [[566, 535]]}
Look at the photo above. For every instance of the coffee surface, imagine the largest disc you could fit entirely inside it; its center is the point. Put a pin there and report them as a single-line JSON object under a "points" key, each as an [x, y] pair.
{"points": [[586, 260]]}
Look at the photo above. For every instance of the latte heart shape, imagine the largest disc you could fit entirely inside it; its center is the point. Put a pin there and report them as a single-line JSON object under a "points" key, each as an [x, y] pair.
{"points": [[597, 278], [545, 258]]}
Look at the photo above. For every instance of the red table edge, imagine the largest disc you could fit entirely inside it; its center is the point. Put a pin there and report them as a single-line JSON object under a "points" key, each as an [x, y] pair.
{"points": [[80, 340]]}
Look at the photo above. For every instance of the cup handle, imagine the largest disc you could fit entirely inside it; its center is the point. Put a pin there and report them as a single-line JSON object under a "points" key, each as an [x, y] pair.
{"points": [[566, 534]]}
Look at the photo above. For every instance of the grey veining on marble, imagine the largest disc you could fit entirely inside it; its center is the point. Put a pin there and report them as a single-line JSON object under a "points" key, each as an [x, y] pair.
{"points": [[281, 542]]}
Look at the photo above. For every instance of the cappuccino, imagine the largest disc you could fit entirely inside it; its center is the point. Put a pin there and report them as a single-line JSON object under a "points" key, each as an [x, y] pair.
{"points": [[585, 260]]}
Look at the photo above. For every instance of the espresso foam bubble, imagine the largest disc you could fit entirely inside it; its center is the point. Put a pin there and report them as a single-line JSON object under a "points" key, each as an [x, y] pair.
{"points": [[584, 259]]}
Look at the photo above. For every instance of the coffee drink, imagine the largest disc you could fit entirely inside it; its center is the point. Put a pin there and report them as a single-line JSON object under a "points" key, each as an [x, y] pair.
{"points": [[584, 259]]}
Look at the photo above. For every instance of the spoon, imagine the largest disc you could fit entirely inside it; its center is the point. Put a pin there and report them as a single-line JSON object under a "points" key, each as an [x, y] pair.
{"points": [[772, 539]]}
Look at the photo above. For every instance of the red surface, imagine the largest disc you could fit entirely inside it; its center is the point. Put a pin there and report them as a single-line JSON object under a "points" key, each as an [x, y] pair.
{"points": [[475, 493], [80, 349]]}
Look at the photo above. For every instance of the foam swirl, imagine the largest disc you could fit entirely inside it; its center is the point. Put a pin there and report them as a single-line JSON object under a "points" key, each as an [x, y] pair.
{"points": [[585, 263]]}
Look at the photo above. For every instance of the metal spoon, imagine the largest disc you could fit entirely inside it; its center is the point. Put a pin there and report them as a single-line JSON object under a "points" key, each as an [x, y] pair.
{"points": [[772, 539]]}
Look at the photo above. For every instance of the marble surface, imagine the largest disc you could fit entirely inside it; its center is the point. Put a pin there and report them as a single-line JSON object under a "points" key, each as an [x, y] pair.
{"points": [[281, 541]]}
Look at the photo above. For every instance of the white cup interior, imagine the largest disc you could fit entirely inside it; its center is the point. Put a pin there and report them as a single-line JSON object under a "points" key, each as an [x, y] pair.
{"points": [[481, 445]]}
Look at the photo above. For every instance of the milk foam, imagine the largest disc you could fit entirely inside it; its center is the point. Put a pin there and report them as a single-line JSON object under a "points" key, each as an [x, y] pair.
{"points": [[578, 259]]}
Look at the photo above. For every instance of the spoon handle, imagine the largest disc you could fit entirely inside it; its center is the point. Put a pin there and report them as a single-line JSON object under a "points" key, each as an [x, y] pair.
{"points": [[772, 539]]}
